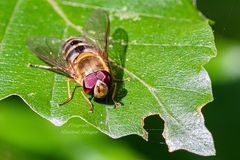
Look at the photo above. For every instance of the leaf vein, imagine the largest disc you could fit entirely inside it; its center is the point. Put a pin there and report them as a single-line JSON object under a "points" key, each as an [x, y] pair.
{"points": [[10, 20], [134, 43], [182, 89], [82, 5], [58, 10], [53, 90], [78, 28], [151, 89]]}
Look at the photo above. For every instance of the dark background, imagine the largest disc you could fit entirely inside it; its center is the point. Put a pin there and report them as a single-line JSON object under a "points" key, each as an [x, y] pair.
{"points": [[25, 135]]}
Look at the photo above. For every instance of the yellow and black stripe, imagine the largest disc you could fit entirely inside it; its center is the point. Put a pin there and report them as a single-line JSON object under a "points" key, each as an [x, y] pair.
{"points": [[73, 47]]}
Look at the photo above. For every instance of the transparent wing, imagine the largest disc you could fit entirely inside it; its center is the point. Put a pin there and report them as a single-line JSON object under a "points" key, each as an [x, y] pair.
{"points": [[96, 31], [49, 50]]}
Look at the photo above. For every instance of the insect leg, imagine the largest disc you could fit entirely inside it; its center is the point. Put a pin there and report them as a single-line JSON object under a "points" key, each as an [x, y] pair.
{"points": [[43, 67], [116, 104], [70, 96], [88, 101], [68, 85]]}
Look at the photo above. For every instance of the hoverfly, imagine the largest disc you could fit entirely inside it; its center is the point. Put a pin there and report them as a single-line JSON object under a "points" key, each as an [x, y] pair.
{"points": [[83, 59]]}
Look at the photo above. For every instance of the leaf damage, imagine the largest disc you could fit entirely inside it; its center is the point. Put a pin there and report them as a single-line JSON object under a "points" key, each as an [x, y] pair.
{"points": [[179, 106]]}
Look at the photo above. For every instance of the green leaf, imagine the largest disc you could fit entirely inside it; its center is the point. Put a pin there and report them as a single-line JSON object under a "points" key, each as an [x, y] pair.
{"points": [[168, 44]]}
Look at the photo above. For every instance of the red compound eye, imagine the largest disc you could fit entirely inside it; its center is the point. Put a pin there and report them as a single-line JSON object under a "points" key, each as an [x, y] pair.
{"points": [[89, 83], [104, 76]]}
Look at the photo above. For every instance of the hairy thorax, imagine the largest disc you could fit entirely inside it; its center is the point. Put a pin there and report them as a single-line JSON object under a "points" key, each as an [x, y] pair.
{"points": [[87, 63]]}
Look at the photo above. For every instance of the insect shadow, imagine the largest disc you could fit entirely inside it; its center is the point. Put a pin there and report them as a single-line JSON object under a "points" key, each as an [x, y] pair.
{"points": [[117, 58]]}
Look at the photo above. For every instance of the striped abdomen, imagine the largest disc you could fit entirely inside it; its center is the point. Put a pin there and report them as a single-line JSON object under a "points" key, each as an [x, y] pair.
{"points": [[73, 47], [83, 58]]}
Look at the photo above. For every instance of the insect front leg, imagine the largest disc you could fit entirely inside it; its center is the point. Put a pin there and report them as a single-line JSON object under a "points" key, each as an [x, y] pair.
{"points": [[88, 101], [43, 67], [70, 95], [68, 85]]}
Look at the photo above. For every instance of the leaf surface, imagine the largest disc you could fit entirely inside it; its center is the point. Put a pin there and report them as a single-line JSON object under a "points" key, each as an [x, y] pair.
{"points": [[168, 44]]}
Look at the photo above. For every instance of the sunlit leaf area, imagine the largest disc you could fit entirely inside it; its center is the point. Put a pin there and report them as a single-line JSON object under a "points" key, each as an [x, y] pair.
{"points": [[181, 99]]}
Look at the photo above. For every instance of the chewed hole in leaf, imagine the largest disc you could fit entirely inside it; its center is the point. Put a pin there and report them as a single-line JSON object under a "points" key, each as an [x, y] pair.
{"points": [[154, 125]]}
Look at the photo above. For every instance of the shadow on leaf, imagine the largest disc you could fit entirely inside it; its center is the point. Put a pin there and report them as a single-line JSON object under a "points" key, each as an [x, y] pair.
{"points": [[117, 56]]}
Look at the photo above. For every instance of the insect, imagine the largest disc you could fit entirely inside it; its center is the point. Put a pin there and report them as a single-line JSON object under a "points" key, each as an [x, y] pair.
{"points": [[83, 59]]}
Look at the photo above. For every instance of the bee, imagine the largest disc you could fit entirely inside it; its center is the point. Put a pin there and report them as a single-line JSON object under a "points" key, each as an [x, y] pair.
{"points": [[83, 59]]}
